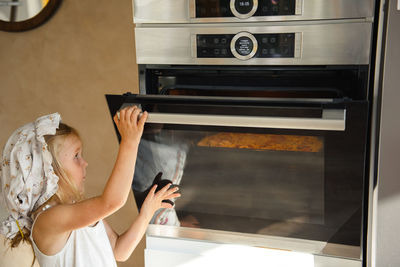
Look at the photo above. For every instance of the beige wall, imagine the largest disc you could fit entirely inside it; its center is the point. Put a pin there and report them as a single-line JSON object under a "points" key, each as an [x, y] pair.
{"points": [[67, 65]]}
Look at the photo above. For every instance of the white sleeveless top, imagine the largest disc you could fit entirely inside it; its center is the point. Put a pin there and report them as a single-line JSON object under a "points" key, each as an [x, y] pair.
{"points": [[88, 246]]}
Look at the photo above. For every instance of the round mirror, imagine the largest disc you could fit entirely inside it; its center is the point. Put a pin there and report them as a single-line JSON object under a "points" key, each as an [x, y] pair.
{"points": [[22, 15]]}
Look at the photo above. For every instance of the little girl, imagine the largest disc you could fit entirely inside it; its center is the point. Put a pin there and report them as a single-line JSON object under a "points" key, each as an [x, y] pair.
{"points": [[42, 178]]}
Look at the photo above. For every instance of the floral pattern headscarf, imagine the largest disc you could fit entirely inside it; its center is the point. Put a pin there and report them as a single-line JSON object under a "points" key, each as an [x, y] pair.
{"points": [[27, 178]]}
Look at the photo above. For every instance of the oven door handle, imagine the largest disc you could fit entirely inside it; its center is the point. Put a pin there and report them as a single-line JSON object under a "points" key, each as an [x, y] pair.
{"points": [[331, 120]]}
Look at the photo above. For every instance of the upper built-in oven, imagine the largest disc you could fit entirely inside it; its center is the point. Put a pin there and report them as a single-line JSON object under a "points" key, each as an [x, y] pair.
{"points": [[209, 11]]}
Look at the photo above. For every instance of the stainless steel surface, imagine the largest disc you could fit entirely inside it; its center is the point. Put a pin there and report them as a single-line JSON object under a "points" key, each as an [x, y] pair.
{"points": [[9, 3], [373, 146], [273, 242], [252, 99], [183, 11], [192, 9], [253, 51], [243, 16], [223, 98], [387, 191], [316, 44], [332, 120], [299, 7]]}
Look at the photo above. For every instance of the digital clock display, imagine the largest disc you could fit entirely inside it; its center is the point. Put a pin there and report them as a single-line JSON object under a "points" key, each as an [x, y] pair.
{"points": [[222, 8]]}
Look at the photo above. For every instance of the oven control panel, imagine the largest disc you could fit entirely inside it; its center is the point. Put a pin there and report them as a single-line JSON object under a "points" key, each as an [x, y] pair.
{"points": [[245, 45], [244, 8], [238, 11]]}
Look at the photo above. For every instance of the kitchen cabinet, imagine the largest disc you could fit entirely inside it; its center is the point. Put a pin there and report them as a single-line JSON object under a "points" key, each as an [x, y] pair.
{"points": [[173, 252]]}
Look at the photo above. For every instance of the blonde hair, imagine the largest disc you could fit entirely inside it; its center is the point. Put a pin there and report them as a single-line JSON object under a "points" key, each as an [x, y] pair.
{"points": [[67, 191]]}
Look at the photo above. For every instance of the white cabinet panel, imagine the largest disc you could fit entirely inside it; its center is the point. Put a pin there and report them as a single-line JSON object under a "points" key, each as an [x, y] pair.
{"points": [[233, 257], [172, 252]]}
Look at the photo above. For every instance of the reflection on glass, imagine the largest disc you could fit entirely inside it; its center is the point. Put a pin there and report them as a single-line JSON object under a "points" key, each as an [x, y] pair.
{"points": [[159, 152], [297, 184], [242, 182], [20, 10]]}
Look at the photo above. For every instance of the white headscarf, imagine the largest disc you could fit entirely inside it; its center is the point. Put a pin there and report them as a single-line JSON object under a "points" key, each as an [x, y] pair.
{"points": [[27, 178]]}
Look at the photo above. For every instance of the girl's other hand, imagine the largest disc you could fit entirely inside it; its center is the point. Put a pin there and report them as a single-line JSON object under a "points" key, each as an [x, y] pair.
{"points": [[129, 125], [153, 201]]}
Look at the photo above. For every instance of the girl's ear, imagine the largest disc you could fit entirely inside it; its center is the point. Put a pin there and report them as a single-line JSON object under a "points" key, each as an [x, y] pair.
{"points": [[157, 179]]}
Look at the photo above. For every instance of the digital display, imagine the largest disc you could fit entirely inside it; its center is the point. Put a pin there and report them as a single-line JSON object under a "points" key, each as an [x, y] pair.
{"points": [[221, 8], [213, 8], [244, 6]]}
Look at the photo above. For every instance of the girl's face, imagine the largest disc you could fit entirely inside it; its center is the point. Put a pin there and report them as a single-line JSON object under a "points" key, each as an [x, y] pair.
{"points": [[72, 161]]}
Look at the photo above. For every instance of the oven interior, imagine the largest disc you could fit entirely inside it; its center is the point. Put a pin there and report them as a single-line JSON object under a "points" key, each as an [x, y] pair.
{"points": [[256, 81]]}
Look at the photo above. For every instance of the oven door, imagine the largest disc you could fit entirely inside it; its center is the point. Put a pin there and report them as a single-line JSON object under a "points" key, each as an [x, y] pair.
{"points": [[266, 166]]}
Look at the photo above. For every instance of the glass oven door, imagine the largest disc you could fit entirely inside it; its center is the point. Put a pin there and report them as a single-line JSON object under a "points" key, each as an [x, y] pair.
{"points": [[272, 167]]}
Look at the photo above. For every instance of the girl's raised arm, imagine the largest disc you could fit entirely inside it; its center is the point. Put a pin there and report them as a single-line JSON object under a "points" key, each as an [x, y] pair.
{"points": [[58, 221]]}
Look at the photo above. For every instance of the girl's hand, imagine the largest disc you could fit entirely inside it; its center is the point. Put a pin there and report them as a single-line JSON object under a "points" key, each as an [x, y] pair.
{"points": [[129, 125], [153, 201]]}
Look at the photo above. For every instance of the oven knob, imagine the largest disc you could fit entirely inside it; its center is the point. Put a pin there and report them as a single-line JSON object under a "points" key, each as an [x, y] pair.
{"points": [[243, 9], [244, 45]]}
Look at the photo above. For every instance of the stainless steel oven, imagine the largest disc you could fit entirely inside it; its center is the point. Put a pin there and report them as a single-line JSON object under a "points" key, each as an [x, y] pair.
{"points": [[259, 111]]}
